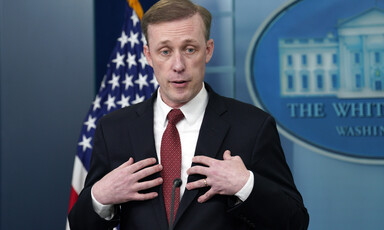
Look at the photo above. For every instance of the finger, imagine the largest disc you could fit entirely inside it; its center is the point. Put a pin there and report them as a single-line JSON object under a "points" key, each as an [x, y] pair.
{"points": [[127, 163], [149, 184], [198, 170], [142, 164], [227, 155], [147, 171], [145, 196], [196, 184], [203, 160], [206, 196]]}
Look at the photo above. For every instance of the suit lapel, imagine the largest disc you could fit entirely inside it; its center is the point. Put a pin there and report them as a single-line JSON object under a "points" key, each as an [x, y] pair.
{"points": [[143, 140], [141, 132], [211, 136]]}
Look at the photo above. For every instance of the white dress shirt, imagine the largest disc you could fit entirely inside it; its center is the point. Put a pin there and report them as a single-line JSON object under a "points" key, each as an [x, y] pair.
{"points": [[188, 129]]}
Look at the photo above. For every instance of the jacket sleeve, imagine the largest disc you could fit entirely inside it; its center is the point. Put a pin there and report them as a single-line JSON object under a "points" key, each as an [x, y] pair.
{"points": [[82, 215], [274, 202]]}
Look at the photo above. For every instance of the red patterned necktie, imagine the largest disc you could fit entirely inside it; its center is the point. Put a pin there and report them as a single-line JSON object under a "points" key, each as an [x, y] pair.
{"points": [[171, 159]]}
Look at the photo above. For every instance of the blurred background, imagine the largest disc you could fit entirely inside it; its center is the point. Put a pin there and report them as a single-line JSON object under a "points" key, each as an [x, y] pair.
{"points": [[53, 55]]}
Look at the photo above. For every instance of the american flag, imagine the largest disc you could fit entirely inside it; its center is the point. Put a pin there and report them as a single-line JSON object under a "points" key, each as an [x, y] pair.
{"points": [[129, 80]]}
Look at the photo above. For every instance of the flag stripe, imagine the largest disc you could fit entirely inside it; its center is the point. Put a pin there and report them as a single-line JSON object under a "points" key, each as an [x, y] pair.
{"points": [[79, 174], [73, 198]]}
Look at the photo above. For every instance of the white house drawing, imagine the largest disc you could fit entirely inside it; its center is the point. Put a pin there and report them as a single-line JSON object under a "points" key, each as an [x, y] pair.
{"points": [[349, 64]]}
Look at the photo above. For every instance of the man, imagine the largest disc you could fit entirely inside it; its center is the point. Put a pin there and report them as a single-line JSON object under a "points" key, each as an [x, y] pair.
{"points": [[232, 167]]}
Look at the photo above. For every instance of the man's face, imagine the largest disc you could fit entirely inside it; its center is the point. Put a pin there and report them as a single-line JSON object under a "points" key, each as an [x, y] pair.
{"points": [[178, 52]]}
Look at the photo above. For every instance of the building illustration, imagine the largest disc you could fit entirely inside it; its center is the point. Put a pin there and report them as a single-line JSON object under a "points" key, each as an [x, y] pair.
{"points": [[347, 64]]}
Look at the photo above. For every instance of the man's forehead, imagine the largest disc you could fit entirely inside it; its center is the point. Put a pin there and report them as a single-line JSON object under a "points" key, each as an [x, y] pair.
{"points": [[194, 22], [185, 31]]}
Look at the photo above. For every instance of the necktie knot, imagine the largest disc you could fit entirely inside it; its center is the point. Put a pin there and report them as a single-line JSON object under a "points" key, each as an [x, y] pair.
{"points": [[174, 116]]}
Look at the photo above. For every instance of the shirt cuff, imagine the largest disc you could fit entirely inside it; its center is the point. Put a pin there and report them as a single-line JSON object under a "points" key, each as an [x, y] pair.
{"points": [[104, 211], [244, 192]]}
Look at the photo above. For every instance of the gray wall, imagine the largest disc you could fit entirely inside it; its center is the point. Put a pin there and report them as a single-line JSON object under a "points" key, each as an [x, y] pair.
{"points": [[46, 80]]}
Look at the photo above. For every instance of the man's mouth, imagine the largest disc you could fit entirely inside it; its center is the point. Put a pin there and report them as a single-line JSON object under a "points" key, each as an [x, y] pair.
{"points": [[179, 82]]}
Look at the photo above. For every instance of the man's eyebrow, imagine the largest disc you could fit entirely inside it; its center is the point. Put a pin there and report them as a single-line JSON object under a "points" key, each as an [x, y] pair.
{"points": [[166, 42], [190, 41]]}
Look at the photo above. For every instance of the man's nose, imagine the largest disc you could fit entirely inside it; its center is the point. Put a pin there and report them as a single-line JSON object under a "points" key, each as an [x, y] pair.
{"points": [[178, 63]]}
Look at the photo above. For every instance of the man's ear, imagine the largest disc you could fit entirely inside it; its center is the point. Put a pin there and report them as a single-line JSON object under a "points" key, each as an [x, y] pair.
{"points": [[147, 54], [209, 50]]}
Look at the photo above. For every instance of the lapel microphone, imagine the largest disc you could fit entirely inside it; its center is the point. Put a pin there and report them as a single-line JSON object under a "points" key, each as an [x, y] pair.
{"points": [[176, 184]]}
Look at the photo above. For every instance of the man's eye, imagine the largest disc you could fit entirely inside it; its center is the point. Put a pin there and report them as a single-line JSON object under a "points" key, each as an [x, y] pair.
{"points": [[165, 52], [190, 50]]}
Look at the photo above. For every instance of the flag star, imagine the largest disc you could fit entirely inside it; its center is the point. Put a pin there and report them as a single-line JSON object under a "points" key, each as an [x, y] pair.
{"points": [[115, 81], [123, 39], [124, 101], [119, 60], [128, 81], [154, 82], [110, 102], [134, 18], [133, 39], [90, 123], [138, 99], [86, 143], [143, 61], [131, 60], [96, 103], [142, 81]]}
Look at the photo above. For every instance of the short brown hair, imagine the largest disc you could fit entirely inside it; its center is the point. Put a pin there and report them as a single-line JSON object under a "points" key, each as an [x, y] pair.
{"points": [[171, 10]]}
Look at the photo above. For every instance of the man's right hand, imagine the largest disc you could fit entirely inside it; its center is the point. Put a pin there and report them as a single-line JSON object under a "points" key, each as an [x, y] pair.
{"points": [[122, 184]]}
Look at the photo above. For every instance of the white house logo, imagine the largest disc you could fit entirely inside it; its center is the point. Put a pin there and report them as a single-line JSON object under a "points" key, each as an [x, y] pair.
{"points": [[319, 71]]}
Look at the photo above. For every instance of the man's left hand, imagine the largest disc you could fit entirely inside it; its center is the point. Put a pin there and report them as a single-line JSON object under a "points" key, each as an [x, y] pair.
{"points": [[224, 177]]}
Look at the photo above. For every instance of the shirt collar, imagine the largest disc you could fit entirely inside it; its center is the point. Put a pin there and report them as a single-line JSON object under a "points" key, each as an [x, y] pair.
{"points": [[192, 110]]}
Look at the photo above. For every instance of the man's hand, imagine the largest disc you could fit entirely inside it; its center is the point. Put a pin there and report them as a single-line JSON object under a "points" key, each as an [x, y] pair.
{"points": [[225, 177], [122, 184]]}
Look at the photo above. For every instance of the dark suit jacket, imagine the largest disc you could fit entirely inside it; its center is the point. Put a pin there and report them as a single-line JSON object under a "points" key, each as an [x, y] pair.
{"points": [[245, 130]]}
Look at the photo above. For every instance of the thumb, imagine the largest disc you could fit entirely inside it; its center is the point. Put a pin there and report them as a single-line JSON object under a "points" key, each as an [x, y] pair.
{"points": [[227, 155]]}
